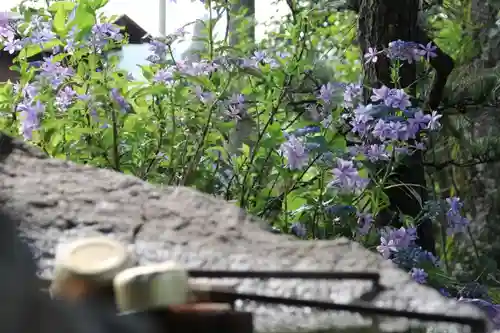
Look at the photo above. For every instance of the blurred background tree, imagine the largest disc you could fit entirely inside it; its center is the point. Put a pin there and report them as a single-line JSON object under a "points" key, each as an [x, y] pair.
{"points": [[465, 158]]}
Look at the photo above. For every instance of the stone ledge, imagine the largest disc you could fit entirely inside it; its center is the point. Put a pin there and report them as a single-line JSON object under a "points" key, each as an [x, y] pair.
{"points": [[57, 200]]}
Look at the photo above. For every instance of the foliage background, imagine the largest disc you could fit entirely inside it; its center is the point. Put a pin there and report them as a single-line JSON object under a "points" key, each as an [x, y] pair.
{"points": [[463, 162]]}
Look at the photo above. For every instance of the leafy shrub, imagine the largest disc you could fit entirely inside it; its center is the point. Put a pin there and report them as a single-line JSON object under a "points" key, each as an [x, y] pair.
{"points": [[248, 124]]}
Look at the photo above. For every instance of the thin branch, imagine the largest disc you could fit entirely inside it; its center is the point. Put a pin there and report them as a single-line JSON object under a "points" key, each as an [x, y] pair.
{"points": [[471, 163]]}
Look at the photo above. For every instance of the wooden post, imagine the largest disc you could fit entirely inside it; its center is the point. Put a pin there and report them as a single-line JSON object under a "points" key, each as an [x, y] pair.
{"points": [[199, 318], [195, 321]]}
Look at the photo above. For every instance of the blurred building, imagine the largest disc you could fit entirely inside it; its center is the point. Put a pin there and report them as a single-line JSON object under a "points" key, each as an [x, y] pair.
{"points": [[136, 35]]}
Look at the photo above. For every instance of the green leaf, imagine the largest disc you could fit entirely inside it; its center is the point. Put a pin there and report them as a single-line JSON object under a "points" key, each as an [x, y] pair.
{"points": [[295, 202], [274, 130], [156, 90], [30, 51], [84, 19], [66, 6], [97, 4], [147, 72], [82, 69], [245, 150]]}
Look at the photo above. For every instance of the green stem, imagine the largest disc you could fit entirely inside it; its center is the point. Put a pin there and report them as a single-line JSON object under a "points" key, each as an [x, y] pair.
{"points": [[201, 141], [319, 203], [210, 32], [116, 155]]}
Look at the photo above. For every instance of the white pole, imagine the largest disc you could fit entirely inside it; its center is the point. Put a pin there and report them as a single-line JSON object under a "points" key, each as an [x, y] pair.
{"points": [[163, 17]]}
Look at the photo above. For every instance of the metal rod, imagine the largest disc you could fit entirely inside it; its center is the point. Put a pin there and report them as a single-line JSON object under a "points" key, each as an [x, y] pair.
{"points": [[312, 275], [163, 17], [477, 324]]}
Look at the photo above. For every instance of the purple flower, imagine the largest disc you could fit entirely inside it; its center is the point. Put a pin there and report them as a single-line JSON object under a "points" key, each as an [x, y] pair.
{"points": [[262, 57], [235, 106], [419, 120], [434, 121], [444, 292], [6, 34], [164, 75], [428, 51], [107, 30], [102, 34], [41, 33], [120, 100], [326, 93], [204, 96], [491, 310], [352, 94], [371, 55], [398, 99], [392, 240], [419, 275], [383, 130], [364, 223], [420, 146], [361, 121], [53, 72], [84, 97], [237, 99], [386, 247], [65, 98], [306, 130], [159, 51], [30, 118], [380, 94], [456, 222], [403, 237], [28, 92], [233, 112], [196, 68], [395, 98], [259, 56], [413, 256], [377, 152], [4, 19], [171, 38], [404, 51], [72, 43], [295, 153], [360, 124], [455, 204], [346, 176], [339, 210], [299, 230], [13, 45]]}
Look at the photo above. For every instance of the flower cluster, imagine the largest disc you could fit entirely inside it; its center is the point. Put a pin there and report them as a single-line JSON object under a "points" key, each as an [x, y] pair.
{"points": [[451, 209], [403, 51], [346, 176], [392, 121], [102, 34], [196, 109], [456, 222]]}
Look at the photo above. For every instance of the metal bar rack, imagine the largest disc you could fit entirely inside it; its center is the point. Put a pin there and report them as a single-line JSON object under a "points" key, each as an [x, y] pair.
{"points": [[191, 318]]}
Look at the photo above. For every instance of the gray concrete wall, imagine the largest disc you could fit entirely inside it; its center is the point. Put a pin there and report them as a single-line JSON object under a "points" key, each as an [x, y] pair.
{"points": [[56, 201]]}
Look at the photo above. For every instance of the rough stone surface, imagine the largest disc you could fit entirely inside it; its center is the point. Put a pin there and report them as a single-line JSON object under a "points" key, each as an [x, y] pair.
{"points": [[57, 201]]}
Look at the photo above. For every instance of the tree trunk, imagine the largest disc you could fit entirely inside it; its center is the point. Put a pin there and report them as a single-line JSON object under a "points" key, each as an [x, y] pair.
{"points": [[249, 5], [483, 17], [379, 23]]}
